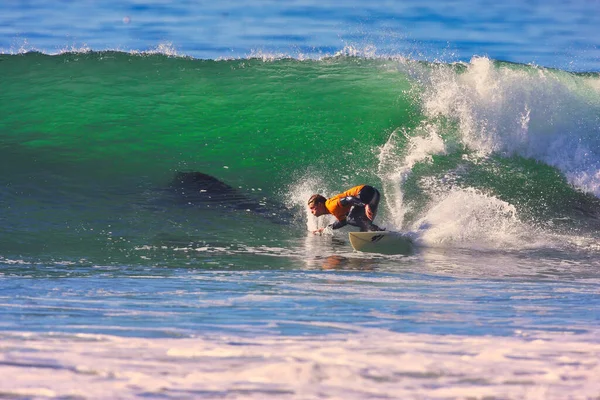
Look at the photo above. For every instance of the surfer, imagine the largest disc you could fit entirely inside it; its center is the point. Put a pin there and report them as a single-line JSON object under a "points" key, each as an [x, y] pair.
{"points": [[356, 206]]}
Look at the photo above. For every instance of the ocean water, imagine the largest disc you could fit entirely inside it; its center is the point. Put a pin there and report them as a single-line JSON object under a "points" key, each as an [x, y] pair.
{"points": [[122, 277]]}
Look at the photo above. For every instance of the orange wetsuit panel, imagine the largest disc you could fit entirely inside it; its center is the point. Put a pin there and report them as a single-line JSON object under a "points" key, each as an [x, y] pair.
{"points": [[333, 204]]}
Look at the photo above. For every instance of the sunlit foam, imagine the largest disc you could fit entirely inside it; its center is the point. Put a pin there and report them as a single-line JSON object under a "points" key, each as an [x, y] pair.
{"points": [[551, 116], [164, 48], [298, 196], [267, 56], [367, 51], [468, 218], [83, 48], [358, 364], [396, 162]]}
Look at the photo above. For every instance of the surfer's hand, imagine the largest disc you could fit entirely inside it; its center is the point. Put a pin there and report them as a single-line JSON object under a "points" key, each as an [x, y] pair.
{"points": [[369, 212], [318, 231]]}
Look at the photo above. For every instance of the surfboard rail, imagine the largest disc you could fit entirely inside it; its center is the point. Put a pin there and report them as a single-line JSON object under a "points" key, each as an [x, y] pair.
{"points": [[382, 242]]}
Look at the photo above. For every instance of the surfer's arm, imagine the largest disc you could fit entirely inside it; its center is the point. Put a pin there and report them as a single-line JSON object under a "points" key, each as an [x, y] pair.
{"points": [[352, 201], [355, 201], [335, 225], [344, 201], [338, 224]]}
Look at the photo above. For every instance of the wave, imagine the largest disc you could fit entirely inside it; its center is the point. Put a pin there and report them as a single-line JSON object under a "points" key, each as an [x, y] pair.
{"points": [[486, 151], [501, 148]]}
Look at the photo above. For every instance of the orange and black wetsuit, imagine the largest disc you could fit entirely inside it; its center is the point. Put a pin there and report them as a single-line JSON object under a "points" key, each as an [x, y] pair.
{"points": [[349, 207]]}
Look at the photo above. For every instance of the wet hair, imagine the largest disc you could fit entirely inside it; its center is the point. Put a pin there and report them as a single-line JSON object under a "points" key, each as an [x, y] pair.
{"points": [[316, 199]]}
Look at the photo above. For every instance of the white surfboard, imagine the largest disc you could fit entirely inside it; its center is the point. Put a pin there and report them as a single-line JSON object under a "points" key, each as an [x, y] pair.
{"points": [[383, 242]]}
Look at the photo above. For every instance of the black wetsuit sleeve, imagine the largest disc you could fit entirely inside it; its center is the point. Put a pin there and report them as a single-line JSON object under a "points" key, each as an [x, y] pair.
{"points": [[338, 224], [346, 201], [351, 200]]}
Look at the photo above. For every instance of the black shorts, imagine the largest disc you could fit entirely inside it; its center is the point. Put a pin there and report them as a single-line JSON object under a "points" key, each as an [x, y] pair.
{"points": [[369, 195], [357, 215]]}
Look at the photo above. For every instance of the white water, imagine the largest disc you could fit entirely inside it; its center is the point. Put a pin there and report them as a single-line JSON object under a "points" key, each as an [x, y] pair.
{"points": [[367, 363], [551, 116]]}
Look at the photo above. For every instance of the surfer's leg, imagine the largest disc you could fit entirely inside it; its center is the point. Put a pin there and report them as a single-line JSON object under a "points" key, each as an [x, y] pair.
{"points": [[358, 217], [371, 196]]}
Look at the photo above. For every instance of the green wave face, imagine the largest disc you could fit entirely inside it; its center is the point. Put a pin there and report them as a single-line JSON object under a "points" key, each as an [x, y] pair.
{"points": [[132, 113], [91, 141]]}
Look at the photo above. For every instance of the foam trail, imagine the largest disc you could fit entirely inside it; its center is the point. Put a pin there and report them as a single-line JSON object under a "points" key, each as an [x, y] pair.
{"points": [[467, 218]]}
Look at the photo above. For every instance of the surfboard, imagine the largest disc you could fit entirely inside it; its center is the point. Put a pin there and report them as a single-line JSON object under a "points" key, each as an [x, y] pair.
{"points": [[383, 242]]}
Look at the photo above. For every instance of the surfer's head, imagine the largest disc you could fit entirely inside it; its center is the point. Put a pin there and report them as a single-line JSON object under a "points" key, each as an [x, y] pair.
{"points": [[316, 205]]}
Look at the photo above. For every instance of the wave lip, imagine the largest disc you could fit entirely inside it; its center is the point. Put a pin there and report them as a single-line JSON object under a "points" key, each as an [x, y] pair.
{"points": [[533, 112]]}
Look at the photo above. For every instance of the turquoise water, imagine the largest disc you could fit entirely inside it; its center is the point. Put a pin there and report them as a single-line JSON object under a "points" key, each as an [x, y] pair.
{"points": [[487, 158]]}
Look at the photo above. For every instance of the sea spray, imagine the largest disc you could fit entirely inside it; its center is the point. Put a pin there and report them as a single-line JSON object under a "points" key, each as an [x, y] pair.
{"points": [[549, 115], [468, 218], [397, 158]]}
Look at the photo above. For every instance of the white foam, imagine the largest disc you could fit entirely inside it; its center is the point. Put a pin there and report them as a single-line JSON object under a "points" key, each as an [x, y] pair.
{"points": [[466, 217], [490, 108], [551, 116], [366, 364], [298, 196], [396, 162]]}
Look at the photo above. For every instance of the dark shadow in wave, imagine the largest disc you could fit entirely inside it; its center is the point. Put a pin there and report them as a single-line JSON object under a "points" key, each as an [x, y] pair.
{"points": [[202, 190]]}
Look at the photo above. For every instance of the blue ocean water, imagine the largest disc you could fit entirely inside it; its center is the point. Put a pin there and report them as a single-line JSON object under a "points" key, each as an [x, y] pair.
{"points": [[553, 33], [478, 120]]}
